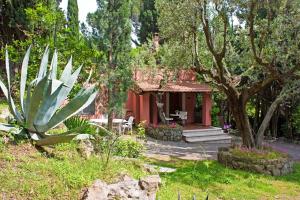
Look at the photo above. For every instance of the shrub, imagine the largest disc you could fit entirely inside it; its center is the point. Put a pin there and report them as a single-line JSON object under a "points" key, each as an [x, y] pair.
{"points": [[296, 120], [76, 122], [128, 148], [257, 154], [141, 130]]}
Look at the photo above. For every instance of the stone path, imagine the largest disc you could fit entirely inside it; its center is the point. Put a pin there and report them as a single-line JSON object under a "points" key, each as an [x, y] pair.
{"points": [[292, 149], [163, 150]]}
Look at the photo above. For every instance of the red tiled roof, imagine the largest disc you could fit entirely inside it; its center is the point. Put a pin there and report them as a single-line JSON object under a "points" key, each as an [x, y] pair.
{"points": [[185, 87], [185, 81]]}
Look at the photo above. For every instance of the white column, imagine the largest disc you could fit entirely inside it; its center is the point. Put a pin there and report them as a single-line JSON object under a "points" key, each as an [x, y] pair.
{"points": [[183, 101], [167, 104]]}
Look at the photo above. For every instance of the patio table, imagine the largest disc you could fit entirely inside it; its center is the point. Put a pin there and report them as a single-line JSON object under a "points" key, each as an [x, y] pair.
{"points": [[115, 121]]}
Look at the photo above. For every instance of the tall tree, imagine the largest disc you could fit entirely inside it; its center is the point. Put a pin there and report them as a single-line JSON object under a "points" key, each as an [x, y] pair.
{"points": [[72, 17], [148, 20], [13, 23], [112, 28], [240, 61]]}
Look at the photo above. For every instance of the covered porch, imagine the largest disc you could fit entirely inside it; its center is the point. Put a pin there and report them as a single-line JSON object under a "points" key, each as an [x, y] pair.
{"points": [[197, 106], [181, 93]]}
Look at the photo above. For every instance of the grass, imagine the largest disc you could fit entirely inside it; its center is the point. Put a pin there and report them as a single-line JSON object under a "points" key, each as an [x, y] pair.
{"points": [[27, 174], [209, 177], [256, 154]]}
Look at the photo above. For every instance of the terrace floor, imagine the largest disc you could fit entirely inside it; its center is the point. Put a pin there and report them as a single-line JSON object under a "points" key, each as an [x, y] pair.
{"points": [[164, 150]]}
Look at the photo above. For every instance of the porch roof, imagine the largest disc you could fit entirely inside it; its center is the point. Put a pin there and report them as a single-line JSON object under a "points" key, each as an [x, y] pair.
{"points": [[154, 80], [173, 87]]}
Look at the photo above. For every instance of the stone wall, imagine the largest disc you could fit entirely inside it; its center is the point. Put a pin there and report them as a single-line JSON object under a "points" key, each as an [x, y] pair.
{"points": [[274, 167], [165, 133]]}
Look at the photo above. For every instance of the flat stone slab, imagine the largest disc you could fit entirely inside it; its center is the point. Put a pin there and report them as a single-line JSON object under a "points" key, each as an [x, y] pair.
{"points": [[164, 150], [159, 169]]}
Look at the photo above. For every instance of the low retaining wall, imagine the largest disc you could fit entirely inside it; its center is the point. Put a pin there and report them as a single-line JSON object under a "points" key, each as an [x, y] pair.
{"points": [[165, 133], [274, 167]]}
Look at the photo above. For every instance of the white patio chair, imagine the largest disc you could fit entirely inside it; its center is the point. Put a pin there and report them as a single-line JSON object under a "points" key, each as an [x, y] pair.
{"points": [[128, 124], [183, 116], [168, 119]]}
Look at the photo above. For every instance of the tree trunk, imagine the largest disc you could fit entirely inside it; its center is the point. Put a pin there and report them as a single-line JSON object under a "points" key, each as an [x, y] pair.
{"points": [[242, 123], [109, 111], [265, 123], [160, 109]]}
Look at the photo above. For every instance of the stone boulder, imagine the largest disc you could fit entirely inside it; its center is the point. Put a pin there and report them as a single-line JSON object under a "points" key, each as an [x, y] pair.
{"points": [[85, 148], [125, 189]]}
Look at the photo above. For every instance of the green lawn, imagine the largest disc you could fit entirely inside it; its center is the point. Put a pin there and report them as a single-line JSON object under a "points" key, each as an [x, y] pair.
{"points": [[209, 177], [27, 174]]}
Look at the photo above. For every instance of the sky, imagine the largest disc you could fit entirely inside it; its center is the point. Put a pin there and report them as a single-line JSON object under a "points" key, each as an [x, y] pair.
{"points": [[84, 6]]}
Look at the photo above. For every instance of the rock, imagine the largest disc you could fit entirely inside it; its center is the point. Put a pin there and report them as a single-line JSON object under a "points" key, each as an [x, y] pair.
{"points": [[150, 184], [258, 168], [276, 172], [98, 191], [155, 169], [126, 189], [85, 148]]}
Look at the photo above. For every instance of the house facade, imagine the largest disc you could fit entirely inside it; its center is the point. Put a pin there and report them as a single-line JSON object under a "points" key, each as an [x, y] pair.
{"points": [[180, 91]]}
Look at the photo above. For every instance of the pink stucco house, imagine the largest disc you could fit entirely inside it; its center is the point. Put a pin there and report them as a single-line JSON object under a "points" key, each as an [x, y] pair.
{"points": [[181, 91]]}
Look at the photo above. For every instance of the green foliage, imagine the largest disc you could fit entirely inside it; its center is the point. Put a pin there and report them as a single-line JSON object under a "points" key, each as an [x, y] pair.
{"points": [[255, 154], [72, 16], [77, 122], [60, 177], [148, 19], [13, 20], [210, 177], [111, 30], [128, 148], [296, 119], [41, 110], [47, 26], [214, 116], [141, 130]]}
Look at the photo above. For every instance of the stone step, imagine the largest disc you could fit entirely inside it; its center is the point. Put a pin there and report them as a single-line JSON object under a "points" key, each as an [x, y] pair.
{"points": [[213, 129], [209, 139], [203, 134]]}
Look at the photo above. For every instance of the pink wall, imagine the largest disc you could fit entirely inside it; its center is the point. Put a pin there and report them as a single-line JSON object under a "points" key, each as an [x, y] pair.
{"points": [[145, 107], [154, 111], [190, 102], [206, 109], [141, 106]]}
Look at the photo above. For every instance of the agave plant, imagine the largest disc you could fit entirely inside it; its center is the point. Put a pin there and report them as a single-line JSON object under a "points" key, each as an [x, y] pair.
{"points": [[41, 107]]}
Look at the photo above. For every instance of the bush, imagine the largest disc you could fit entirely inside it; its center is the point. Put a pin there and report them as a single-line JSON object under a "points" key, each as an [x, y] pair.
{"points": [[266, 153], [141, 130], [296, 120], [77, 121], [128, 148]]}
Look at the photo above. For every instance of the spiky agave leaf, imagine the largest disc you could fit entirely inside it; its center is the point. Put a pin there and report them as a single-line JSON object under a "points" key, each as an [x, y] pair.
{"points": [[44, 63], [24, 78], [36, 98], [54, 101], [67, 71], [7, 91], [73, 107], [53, 66], [60, 138]]}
